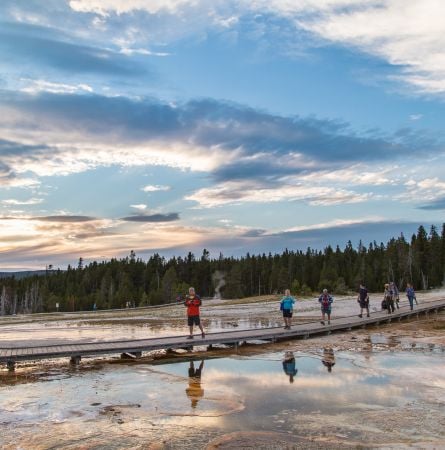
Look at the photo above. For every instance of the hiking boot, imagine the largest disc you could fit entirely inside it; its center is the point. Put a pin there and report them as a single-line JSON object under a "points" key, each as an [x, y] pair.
{"points": [[322, 322], [367, 315], [203, 335], [190, 337], [329, 322], [360, 316]]}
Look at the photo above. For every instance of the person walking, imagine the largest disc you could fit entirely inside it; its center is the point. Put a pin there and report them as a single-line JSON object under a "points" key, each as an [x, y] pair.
{"points": [[410, 293], [363, 300], [388, 299], [192, 303], [325, 301], [395, 293], [286, 305]]}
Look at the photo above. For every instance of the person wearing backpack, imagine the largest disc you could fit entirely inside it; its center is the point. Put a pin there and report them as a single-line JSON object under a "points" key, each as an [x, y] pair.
{"points": [[286, 305], [363, 300], [395, 293], [410, 293], [325, 301], [388, 299]]}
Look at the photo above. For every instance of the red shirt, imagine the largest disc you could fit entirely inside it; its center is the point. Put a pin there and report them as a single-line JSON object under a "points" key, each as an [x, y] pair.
{"points": [[192, 304]]}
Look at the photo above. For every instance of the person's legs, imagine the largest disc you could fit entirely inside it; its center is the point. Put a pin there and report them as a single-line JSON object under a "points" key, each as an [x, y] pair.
{"points": [[190, 324], [391, 303], [198, 322], [411, 303], [322, 316], [329, 317]]}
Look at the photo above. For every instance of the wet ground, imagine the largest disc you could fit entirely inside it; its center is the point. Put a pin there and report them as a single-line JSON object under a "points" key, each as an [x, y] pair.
{"points": [[382, 387]]}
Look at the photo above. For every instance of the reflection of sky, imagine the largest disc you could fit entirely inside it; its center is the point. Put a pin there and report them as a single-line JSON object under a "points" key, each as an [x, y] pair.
{"points": [[238, 393]]}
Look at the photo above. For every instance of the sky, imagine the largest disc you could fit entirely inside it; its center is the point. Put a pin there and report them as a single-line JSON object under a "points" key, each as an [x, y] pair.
{"points": [[236, 126]]}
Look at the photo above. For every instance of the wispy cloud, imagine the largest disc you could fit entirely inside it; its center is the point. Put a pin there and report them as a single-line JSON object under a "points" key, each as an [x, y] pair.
{"points": [[64, 219], [152, 218], [409, 36], [14, 202], [140, 207], [155, 188], [234, 192], [45, 45], [36, 86]]}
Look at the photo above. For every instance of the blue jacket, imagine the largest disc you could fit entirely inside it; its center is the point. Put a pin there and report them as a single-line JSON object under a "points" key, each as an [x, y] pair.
{"points": [[287, 302]]}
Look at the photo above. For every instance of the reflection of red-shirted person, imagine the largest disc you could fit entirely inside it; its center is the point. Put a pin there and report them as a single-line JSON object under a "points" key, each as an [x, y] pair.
{"points": [[193, 302]]}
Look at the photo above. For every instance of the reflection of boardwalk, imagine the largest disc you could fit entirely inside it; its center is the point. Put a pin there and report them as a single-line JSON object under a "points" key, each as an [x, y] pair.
{"points": [[134, 348]]}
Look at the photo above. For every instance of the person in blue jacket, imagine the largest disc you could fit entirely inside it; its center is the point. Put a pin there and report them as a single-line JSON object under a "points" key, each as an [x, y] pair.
{"points": [[287, 306], [411, 294]]}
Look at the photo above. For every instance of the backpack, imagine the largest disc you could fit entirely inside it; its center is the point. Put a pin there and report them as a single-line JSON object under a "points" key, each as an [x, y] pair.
{"points": [[325, 301]]}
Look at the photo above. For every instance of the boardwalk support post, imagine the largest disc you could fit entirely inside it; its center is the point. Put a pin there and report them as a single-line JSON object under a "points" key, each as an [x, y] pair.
{"points": [[10, 364], [75, 360]]}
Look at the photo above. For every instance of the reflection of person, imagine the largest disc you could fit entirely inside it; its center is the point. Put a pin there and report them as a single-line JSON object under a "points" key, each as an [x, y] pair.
{"points": [[194, 391], [328, 358], [363, 300], [289, 366], [193, 302], [411, 294], [326, 305], [286, 305]]}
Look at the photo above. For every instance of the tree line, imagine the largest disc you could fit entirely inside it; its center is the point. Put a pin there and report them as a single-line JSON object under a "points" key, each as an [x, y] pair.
{"points": [[132, 281]]}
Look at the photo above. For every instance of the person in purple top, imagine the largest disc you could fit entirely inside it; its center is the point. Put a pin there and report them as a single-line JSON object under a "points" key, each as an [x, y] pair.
{"points": [[325, 301]]}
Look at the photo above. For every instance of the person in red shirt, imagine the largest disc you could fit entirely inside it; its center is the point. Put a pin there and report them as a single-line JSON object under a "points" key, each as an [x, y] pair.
{"points": [[192, 303]]}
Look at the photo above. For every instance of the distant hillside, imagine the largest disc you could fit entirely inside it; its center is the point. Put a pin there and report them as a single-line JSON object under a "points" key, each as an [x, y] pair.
{"points": [[22, 274]]}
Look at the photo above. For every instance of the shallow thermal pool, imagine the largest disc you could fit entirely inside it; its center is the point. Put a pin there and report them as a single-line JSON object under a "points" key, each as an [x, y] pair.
{"points": [[323, 400]]}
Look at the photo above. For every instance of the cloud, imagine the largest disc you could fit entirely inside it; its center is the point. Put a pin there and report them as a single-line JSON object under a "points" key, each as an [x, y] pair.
{"points": [[152, 218], [14, 202], [232, 141], [409, 36], [430, 190], [104, 7], [236, 192], [45, 45], [140, 207], [437, 204], [154, 188], [36, 86], [64, 219]]}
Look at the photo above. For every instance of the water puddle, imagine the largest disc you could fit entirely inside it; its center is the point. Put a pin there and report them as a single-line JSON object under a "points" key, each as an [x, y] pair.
{"points": [[276, 399]]}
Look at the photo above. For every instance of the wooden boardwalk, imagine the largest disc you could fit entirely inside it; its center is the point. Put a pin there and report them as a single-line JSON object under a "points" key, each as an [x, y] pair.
{"points": [[134, 348]]}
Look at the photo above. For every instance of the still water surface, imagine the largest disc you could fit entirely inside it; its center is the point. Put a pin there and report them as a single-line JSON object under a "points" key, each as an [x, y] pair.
{"points": [[328, 399]]}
